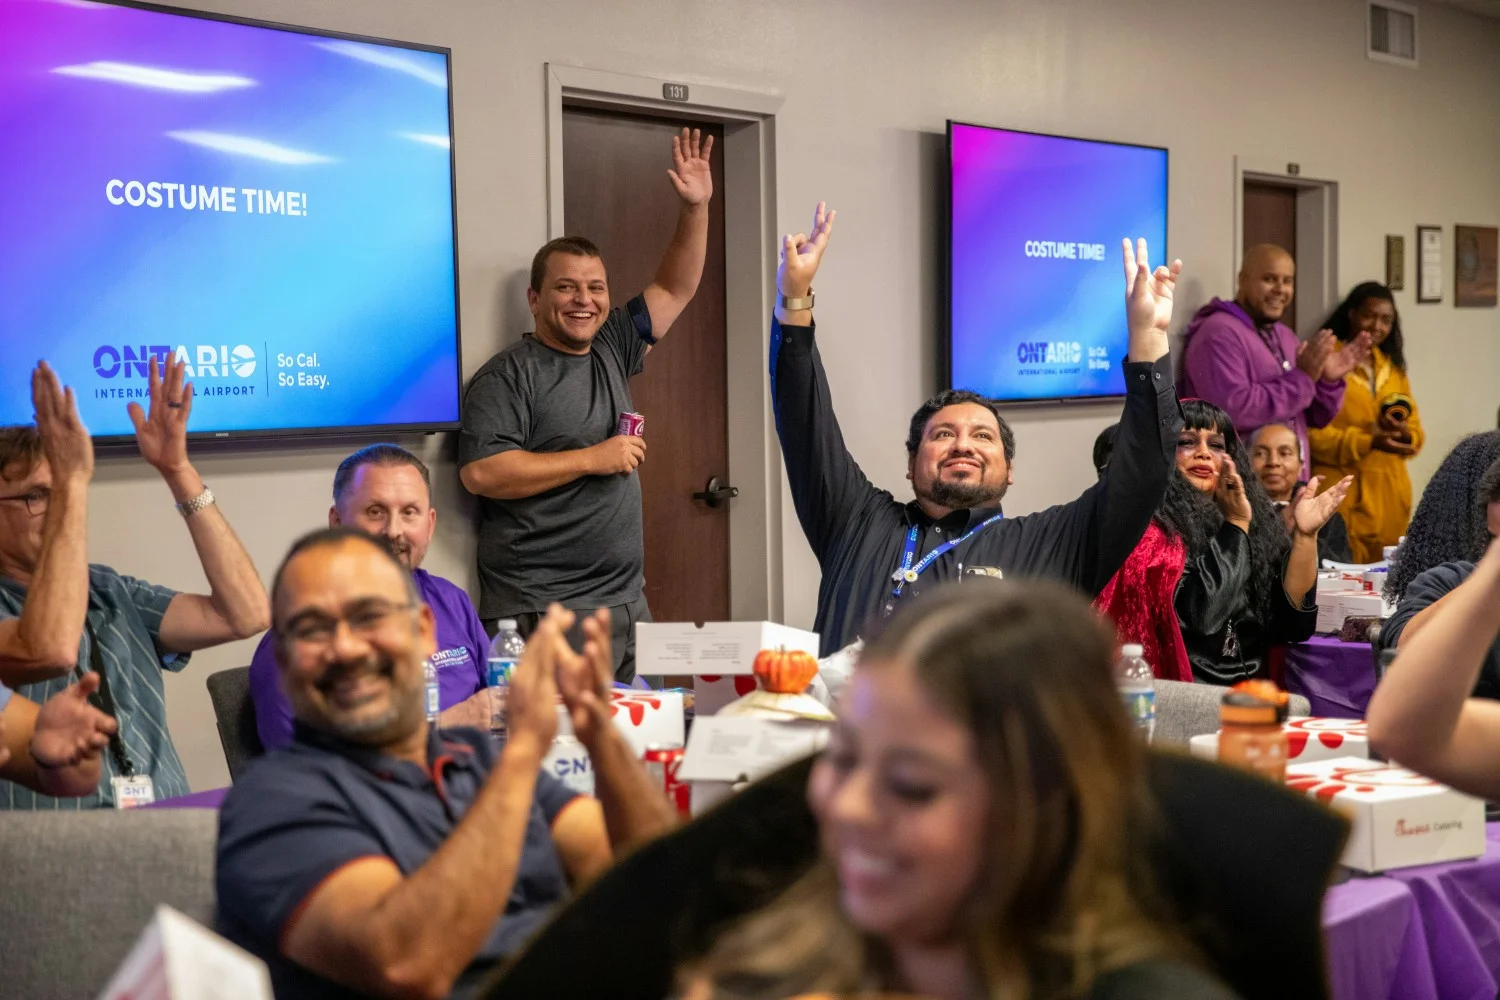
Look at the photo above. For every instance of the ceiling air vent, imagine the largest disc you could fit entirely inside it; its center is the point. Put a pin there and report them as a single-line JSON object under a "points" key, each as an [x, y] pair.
{"points": [[1393, 33]]}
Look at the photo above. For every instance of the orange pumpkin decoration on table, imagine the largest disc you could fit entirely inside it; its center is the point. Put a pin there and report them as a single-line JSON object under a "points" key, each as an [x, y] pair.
{"points": [[784, 671]]}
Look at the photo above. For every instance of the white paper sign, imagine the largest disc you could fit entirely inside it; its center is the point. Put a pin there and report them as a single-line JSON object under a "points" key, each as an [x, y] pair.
{"points": [[729, 748], [177, 958]]}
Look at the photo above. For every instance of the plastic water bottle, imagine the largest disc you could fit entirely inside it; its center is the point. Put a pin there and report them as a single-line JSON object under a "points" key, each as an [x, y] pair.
{"points": [[505, 653], [1137, 688], [430, 693]]}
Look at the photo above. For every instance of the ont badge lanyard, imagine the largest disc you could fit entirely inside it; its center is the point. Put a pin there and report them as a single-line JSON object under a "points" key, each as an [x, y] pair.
{"points": [[909, 573], [131, 789]]}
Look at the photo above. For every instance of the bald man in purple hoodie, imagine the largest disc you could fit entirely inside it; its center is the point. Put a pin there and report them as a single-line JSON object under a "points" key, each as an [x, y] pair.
{"points": [[1240, 356]]}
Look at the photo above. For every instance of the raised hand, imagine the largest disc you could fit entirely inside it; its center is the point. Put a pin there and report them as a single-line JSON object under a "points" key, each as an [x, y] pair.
{"points": [[585, 680], [1310, 511], [162, 434], [1231, 497], [690, 172], [1313, 353], [1148, 302], [1345, 359], [801, 254], [531, 698], [65, 441], [68, 729]]}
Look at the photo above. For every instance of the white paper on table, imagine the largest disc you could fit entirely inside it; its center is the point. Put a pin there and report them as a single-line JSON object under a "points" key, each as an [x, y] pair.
{"points": [[732, 748], [176, 958]]}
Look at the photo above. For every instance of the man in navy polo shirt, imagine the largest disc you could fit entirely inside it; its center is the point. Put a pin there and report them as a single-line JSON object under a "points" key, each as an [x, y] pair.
{"points": [[375, 856], [386, 490]]}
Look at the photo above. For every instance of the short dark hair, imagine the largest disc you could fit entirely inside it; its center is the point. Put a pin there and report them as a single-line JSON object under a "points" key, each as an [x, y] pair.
{"points": [[954, 397], [327, 538], [578, 246], [376, 454], [20, 444], [1104, 446]]}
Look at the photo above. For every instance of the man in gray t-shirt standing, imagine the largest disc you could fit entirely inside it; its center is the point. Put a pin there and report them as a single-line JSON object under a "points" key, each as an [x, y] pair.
{"points": [[560, 501]]}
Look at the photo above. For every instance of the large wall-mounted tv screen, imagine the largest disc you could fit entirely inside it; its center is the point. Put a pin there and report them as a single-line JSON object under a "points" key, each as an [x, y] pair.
{"points": [[1036, 306], [273, 205]]}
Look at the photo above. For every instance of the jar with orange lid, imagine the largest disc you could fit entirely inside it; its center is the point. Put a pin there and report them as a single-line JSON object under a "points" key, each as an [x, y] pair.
{"points": [[1250, 730]]}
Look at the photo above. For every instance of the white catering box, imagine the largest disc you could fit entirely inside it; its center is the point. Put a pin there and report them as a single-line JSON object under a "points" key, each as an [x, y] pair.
{"points": [[1400, 818], [725, 751], [644, 717], [177, 958], [1307, 739], [715, 648], [1334, 608], [712, 692]]}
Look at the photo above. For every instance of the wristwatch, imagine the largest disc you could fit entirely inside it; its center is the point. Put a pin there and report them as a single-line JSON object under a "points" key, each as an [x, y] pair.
{"points": [[190, 507], [798, 304]]}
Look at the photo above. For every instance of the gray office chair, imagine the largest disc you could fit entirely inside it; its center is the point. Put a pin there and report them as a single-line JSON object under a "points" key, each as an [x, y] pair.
{"points": [[235, 712]]}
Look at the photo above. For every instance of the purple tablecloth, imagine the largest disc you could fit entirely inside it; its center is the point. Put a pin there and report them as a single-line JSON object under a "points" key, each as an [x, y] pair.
{"points": [[1423, 933], [210, 799], [1336, 677]]}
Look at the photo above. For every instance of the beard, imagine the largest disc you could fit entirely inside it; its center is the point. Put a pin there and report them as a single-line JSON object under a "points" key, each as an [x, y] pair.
{"points": [[964, 496], [403, 705]]}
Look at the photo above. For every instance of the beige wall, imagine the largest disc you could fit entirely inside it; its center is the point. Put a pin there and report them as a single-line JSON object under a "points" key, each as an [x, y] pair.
{"points": [[868, 86]]}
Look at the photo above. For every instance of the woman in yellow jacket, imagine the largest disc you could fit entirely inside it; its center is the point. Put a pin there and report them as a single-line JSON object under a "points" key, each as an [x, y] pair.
{"points": [[1378, 429]]}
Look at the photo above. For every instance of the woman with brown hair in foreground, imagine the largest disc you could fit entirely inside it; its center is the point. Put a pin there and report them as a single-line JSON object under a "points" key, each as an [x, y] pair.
{"points": [[984, 817]]}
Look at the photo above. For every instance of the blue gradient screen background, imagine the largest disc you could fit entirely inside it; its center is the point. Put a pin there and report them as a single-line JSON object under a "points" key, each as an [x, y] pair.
{"points": [[342, 316], [1030, 327]]}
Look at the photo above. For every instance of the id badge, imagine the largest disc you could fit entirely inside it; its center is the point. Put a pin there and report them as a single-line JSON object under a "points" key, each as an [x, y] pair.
{"points": [[131, 793]]}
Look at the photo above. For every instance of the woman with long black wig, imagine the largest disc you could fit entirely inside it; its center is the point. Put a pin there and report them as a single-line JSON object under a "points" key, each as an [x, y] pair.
{"points": [[1220, 577]]}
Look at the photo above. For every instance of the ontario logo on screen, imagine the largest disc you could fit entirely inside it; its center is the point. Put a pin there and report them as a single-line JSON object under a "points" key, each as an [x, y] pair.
{"points": [[1060, 352], [201, 360]]}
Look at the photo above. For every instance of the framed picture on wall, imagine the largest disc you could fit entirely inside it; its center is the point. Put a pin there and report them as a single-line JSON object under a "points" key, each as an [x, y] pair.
{"points": [[1395, 263], [1429, 263], [1476, 252]]}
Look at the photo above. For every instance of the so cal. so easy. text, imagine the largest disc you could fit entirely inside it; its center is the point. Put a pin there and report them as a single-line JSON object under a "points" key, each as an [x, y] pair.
{"points": [[300, 379]]}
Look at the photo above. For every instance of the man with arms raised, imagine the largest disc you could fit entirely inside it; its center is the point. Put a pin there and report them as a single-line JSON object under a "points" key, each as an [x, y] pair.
{"points": [[386, 490], [1240, 356], [560, 514], [377, 857], [876, 551], [61, 617]]}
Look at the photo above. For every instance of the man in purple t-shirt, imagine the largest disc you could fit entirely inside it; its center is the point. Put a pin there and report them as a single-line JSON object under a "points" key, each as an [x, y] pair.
{"points": [[386, 490], [1240, 356]]}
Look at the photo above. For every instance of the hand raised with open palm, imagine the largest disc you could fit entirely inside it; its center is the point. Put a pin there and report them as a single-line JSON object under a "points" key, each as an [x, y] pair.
{"points": [[1148, 302]]}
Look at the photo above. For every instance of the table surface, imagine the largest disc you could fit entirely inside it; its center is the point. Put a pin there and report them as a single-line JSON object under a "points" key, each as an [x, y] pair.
{"points": [[1337, 678]]}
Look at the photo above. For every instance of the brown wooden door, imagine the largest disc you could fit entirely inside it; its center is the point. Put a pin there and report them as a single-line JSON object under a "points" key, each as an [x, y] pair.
{"points": [[616, 193], [1271, 217]]}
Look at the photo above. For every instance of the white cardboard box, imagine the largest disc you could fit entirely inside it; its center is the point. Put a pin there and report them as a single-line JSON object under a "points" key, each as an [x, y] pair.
{"points": [[1334, 608], [1400, 818], [644, 717], [176, 958], [715, 648], [1307, 739], [725, 751], [711, 692]]}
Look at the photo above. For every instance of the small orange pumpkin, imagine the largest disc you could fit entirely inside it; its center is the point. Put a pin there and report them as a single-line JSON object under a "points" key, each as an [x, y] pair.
{"points": [[783, 671]]}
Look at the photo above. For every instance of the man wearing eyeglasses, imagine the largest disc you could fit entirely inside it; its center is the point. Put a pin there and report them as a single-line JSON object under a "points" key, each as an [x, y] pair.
{"points": [[377, 856], [61, 617], [386, 490]]}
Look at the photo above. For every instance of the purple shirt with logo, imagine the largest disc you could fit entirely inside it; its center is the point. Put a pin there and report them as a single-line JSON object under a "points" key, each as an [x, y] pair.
{"points": [[460, 660]]}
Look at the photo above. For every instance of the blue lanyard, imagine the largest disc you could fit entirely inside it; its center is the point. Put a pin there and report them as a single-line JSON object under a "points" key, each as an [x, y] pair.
{"points": [[909, 573]]}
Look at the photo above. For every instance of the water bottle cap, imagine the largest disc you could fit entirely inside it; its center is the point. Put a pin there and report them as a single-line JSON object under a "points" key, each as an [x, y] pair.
{"points": [[1132, 649], [506, 624]]}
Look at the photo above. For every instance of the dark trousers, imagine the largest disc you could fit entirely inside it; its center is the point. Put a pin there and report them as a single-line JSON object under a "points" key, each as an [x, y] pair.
{"points": [[622, 619]]}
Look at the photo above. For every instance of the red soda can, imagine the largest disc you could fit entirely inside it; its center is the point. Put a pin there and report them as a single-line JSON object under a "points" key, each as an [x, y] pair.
{"points": [[662, 761], [631, 423]]}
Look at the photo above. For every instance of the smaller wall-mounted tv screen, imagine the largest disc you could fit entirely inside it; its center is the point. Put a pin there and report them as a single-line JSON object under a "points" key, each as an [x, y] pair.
{"points": [[272, 205], [1036, 304]]}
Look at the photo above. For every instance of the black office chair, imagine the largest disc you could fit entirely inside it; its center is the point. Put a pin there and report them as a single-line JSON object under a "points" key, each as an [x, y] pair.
{"points": [[235, 712]]}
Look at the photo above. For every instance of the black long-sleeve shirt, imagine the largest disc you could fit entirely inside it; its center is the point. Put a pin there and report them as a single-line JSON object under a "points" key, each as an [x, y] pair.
{"points": [[1227, 638], [858, 532]]}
